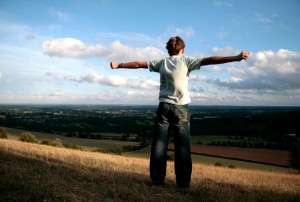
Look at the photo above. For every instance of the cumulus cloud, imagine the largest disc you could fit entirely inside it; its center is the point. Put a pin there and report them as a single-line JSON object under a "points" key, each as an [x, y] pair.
{"points": [[282, 62], [237, 71], [111, 80], [271, 72], [115, 80], [92, 78], [70, 47], [145, 84]]}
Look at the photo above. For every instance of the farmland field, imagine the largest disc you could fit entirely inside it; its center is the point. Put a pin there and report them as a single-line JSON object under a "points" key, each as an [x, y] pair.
{"points": [[268, 156], [210, 160]]}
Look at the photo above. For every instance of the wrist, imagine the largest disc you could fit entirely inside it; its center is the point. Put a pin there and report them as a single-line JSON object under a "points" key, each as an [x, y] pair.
{"points": [[121, 65]]}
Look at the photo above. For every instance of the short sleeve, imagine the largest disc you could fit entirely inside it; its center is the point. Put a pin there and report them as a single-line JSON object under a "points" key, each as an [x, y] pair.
{"points": [[154, 65], [193, 63]]}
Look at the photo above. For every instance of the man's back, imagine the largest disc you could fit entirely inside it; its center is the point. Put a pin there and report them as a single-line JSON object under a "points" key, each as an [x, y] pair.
{"points": [[174, 74]]}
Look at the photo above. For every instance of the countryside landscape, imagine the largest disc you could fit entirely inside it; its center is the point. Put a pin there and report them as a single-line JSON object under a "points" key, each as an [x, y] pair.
{"points": [[101, 153]]}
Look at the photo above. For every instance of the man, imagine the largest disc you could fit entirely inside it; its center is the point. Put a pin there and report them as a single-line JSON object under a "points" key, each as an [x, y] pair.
{"points": [[173, 107]]}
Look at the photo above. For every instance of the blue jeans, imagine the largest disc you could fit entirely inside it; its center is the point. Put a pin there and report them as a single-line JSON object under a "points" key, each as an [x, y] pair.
{"points": [[176, 118]]}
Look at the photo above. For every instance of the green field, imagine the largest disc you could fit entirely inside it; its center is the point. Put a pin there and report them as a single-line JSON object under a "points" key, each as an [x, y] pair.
{"points": [[85, 144], [207, 139], [218, 138]]}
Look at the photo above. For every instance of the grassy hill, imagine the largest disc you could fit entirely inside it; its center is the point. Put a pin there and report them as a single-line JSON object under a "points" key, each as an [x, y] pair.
{"points": [[33, 172]]}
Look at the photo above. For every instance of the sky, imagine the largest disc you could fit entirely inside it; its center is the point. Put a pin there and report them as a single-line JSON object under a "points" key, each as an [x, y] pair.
{"points": [[58, 52]]}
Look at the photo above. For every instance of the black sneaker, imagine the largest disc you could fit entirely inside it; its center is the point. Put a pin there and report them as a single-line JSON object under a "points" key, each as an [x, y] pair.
{"points": [[156, 184], [183, 190]]}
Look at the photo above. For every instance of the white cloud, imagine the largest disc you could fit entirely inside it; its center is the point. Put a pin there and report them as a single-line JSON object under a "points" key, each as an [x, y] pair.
{"points": [[108, 80], [234, 80], [261, 18], [30, 37], [182, 32], [268, 72], [8, 29], [92, 78], [146, 84], [70, 78], [112, 80], [115, 80], [228, 50], [254, 71], [196, 95], [54, 75], [61, 15], [60, 94], [224, 35], [70, 47], [0, 75], [281, 62], [222, 3], [237, 71]]}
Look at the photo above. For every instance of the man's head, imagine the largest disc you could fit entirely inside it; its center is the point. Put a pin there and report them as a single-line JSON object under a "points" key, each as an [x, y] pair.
{"points": [[174, 45]]}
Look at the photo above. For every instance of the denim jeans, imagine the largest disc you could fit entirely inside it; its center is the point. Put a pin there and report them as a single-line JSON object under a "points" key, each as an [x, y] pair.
{"points": [[175, 118]]}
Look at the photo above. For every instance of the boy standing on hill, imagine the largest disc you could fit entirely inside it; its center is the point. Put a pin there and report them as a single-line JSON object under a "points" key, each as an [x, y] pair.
{"points": [[173, 107]]}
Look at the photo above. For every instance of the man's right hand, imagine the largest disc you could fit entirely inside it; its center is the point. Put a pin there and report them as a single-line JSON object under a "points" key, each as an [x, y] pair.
{"points": [[114, 65]]}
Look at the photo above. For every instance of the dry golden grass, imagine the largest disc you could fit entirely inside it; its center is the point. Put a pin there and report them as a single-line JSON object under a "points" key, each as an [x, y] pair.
{"points": [[32, 172]]}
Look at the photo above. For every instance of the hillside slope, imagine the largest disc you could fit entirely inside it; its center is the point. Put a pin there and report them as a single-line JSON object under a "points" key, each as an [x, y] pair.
{"points": [[32, 172]]}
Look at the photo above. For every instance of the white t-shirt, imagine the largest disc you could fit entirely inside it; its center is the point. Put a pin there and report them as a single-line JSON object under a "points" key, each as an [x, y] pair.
{"points": [[174, 74]]}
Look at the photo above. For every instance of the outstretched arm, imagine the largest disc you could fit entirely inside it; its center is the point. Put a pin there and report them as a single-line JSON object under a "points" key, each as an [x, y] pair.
{"points": [[129, 65], [220, 59]]}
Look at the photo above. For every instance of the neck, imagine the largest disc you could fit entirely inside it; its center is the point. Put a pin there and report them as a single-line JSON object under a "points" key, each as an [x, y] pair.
{"points": [[181, 52]]}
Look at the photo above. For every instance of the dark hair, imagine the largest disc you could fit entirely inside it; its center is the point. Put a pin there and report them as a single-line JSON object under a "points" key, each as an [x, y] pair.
{"points": [[174, 45]]}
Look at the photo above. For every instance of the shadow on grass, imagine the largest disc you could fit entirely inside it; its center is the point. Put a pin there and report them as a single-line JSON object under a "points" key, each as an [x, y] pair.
{"points": [[210, 190], [23, 178]]}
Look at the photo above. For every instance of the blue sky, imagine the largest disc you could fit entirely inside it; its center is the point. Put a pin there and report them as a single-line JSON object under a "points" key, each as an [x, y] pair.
{"points": [[59, 51]]}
